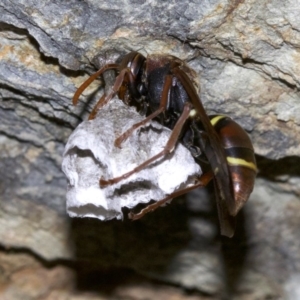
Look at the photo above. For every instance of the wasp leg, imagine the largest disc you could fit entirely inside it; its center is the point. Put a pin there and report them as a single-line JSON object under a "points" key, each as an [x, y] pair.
{"points": [[91, 79], [203, 180], [97, 107], [118, 83], [162, 107], [170, 146]]}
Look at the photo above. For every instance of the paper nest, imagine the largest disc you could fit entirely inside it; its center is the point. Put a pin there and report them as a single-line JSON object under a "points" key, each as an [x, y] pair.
{"points": [[90, 154]]}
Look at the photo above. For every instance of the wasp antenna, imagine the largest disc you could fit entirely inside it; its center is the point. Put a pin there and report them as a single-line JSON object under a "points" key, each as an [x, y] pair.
{"points": [[91, 79]]}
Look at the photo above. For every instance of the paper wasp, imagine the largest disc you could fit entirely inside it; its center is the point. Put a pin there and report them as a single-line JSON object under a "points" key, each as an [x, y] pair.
{"points": [[163, 87]]}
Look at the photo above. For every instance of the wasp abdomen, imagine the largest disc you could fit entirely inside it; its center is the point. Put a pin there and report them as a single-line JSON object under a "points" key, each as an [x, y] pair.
{"points": [[240, 157]]}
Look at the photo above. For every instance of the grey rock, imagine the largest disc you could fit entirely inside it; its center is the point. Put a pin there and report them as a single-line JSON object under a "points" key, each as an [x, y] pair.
{"points": [[247, 58]]}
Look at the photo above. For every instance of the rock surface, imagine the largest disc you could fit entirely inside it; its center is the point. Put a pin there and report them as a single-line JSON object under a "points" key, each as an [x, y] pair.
{"points": [[247, 56]]}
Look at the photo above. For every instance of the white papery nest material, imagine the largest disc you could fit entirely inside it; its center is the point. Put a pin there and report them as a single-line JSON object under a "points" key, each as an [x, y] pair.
{"points": [[90, 154]]}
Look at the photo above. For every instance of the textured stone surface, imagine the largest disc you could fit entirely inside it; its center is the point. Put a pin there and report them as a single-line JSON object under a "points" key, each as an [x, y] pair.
{"points": [[247, 56]]}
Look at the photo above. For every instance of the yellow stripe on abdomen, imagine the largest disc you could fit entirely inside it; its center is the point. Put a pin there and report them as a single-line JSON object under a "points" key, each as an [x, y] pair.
{"points": [[233, 161], [216, 119]]}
